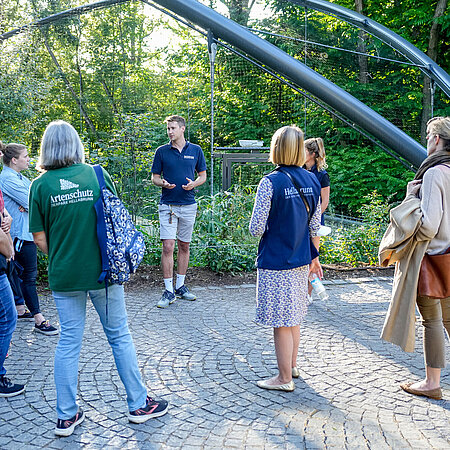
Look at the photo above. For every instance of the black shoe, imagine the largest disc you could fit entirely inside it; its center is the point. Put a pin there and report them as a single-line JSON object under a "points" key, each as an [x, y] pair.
{"points": [[8, 389], [67, 427], [153, 408], [46, 328], [26, 316]]}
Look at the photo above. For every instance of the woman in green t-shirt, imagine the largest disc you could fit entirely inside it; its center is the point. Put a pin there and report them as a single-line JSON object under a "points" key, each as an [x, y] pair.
{"points": [[63, 223]]}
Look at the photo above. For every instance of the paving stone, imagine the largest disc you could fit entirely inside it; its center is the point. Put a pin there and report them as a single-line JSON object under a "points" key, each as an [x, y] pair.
{"points": [[205, 358]]}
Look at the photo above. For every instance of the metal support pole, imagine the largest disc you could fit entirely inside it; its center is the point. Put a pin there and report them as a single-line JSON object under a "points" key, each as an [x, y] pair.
{"points": [[306, 37], [433, 90], [212, 50]]}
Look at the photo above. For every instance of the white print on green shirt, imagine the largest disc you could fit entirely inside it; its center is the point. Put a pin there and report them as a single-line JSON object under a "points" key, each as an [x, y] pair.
{"points": [[72, 197]]}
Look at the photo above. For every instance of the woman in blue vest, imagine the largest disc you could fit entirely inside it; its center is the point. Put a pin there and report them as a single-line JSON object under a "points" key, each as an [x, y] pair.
{"points": [[285, 201]]}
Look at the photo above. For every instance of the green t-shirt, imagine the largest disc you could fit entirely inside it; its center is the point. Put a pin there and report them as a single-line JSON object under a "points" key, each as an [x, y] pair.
{"points": [[62, 205]]}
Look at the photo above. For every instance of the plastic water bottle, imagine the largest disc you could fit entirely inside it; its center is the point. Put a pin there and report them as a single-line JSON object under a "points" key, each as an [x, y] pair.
{"points": [[318, 287]]}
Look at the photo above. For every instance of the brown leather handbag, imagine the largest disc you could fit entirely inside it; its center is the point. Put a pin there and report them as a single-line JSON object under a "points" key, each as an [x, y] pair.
{"points": [[434, 276]]}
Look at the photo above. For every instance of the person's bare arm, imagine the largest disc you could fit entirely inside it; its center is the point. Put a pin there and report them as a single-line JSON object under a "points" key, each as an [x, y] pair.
{"points": [[40, 239], [316, 268], [198, 181], [6, 245], [160, 182], [324, 198], [6, 221]]}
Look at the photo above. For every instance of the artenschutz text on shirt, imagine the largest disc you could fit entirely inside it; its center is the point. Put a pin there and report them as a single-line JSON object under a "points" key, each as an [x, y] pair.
{"points": [[72, 197]]}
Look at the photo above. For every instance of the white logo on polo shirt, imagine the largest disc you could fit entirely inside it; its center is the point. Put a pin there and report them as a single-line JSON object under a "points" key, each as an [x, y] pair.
{"points": [[188, 157], [66, 184]]}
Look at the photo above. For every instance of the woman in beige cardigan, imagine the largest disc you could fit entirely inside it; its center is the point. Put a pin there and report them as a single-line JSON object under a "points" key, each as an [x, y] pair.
{"points": [[432, 184]]}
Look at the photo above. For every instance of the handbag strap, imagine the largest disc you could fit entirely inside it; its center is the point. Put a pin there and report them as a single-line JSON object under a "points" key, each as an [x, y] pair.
{"points": [[299, 190]]}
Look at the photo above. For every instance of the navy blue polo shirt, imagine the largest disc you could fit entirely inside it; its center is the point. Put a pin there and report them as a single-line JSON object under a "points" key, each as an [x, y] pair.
{"points": [[175, 166], [324, 180], [322, 176]]}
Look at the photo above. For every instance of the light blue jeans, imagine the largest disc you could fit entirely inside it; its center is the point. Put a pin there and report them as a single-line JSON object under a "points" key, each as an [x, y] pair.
{"points": [[8, 319], [72, 317]]}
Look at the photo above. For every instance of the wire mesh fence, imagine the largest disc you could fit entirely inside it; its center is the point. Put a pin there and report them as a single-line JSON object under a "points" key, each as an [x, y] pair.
{"points": [[124, 73]]}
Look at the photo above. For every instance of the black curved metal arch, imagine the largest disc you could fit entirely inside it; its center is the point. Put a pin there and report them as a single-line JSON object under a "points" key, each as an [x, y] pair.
{"points": [[425, 63], [61, 15], [280, 62]]}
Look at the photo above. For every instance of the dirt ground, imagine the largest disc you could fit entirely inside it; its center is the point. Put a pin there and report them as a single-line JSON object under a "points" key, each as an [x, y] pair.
{"points": [[151, 276]]}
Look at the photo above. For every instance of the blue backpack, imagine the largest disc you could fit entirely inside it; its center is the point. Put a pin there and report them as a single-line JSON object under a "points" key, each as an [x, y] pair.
{"points": [[122, 247]]}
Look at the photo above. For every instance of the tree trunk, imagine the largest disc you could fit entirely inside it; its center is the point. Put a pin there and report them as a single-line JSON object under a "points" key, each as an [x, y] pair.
{"points": [[69, 86], [432, 52], [239, 10], [361, 47], [113, 103]]}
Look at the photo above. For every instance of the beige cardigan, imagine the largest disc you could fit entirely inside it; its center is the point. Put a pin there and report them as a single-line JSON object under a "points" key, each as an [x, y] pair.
{"points": [[405, 246]]}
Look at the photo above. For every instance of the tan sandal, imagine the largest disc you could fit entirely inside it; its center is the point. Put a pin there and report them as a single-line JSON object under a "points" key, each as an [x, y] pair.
{"points": [[435, 394]]}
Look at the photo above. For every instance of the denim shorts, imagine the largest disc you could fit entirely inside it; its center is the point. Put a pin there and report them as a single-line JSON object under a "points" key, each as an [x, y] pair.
{"points": [[177, 221]]}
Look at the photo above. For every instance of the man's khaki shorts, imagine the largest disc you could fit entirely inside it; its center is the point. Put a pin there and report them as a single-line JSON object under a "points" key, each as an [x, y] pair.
{"points": [[177, 221]]}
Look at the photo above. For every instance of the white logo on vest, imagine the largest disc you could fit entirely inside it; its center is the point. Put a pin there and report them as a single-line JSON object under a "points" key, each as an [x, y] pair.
{"points": [[66, 184]]}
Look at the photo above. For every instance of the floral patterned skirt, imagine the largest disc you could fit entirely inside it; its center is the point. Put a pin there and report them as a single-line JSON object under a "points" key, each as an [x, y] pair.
{"points": [[281, 297]]}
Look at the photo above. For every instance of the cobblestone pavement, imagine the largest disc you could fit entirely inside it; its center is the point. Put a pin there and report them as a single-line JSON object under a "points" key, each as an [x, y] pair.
{"points": [[205, 358]]}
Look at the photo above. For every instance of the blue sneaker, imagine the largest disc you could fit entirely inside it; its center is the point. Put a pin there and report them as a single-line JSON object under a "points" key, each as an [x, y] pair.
{"points": [[152, 408], [66, 427], [183, 292], [167, 299], [8, 388]]}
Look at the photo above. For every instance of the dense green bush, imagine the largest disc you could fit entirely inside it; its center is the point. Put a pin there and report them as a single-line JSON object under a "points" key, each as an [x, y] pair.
{"points": [[222, 242], [221, 238], [358, 245]]}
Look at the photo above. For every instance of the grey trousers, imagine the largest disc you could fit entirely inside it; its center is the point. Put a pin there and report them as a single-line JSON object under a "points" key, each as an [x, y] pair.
{"points": [[435, 314]]}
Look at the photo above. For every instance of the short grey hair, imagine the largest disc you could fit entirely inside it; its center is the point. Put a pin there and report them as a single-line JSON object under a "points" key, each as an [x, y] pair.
{"points": [[60, 146]]}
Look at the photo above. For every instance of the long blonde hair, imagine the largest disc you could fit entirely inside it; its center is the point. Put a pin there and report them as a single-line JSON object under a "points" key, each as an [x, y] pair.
{"points": [[315, 145]]}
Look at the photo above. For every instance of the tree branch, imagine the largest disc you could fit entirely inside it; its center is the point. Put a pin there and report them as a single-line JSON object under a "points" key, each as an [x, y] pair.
{"points": [[68, 85]]}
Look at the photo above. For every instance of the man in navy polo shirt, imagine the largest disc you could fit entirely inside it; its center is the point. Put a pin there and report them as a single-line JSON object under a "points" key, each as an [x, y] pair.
{"points": [[177, 161]]}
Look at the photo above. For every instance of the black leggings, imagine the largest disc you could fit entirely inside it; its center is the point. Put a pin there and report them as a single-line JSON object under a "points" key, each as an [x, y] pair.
{"points": [[27, 258]]}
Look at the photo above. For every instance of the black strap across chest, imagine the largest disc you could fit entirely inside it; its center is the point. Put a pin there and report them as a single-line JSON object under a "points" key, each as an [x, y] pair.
{"points": [[299, 190]]}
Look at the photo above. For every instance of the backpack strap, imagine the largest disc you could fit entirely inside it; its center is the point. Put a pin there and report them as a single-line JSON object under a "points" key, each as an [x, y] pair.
{"points": [[299, 190], [101, 226], [101, 179]]}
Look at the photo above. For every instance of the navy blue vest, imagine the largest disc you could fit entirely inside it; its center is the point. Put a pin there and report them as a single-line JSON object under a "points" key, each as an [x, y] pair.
{"points": [[285, 243]]}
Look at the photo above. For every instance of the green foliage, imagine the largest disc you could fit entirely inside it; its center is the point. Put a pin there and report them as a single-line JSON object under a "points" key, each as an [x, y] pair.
{"points": [[112, 62], [356, 246], [225, 256], [221, 238], [355, 172], [152, 242], [222, 242], [42, 260]]}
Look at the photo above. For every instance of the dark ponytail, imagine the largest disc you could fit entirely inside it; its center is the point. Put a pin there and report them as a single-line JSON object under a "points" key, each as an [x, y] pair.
{"points": [[11, 151]]}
